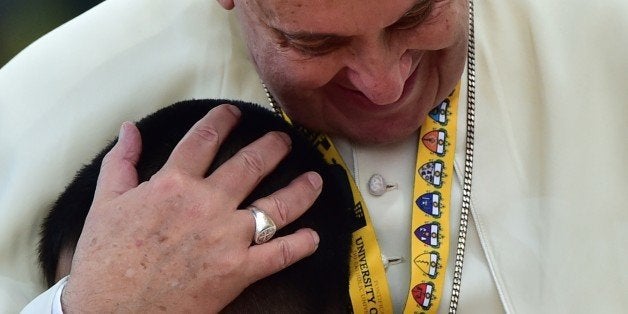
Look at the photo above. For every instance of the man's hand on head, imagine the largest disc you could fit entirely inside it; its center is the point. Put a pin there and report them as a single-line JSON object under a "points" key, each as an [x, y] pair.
{"points": [[177, 242]]}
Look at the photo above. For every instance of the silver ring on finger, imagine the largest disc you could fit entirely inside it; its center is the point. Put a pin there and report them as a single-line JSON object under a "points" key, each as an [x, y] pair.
{"points": [[265, 227]]}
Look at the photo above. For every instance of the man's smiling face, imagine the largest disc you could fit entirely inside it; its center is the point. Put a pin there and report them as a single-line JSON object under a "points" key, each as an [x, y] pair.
{"points": [[369, 71]]}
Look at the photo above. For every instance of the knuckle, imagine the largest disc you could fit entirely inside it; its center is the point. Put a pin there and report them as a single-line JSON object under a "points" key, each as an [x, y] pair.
{"points": [[278, 138], [252, 161], [168, 182], [109, 157], [282, 210], [206, 133], [225, 269], [286, 258]]}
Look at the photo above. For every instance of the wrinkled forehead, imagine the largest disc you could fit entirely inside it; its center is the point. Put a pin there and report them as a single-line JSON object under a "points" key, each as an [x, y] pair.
{"points": [[332, 16]]}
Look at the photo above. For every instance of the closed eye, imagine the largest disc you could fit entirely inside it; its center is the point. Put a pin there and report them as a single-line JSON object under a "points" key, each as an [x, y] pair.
{"points": [[312, 45], [414, 17]]}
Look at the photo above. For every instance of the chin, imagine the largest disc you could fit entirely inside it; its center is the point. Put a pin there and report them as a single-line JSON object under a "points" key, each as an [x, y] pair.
{"points": [[380, 138], [389, 130], [385, 134], [385, 126]]}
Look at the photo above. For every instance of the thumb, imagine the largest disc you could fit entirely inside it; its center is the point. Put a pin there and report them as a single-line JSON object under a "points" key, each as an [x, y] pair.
{"points": [[117, 171]]}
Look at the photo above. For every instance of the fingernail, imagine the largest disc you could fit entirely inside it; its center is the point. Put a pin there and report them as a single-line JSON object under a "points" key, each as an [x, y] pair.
{"points": [[285, 137], [122, 130], [312, 233], [315, 180], [235, 110], [315, 237]]}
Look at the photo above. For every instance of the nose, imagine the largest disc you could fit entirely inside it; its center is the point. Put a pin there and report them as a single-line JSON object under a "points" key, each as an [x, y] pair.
{"points": [[380, 72]]}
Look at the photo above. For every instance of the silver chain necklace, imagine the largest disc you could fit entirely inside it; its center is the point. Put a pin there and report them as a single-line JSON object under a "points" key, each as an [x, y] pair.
{"points": [[468, 161], [468, 165]]}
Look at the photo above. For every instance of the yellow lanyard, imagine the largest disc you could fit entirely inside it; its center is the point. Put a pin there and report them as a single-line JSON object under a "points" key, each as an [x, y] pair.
{"points": [[430, 220], [430, 209]]}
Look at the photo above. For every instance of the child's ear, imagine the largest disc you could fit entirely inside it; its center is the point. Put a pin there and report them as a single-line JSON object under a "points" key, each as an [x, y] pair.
{"points": [[227, 4]]}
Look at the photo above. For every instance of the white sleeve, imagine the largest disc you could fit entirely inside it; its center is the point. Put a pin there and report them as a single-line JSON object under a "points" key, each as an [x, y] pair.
{"points": [[49, 301], [63, 98]]}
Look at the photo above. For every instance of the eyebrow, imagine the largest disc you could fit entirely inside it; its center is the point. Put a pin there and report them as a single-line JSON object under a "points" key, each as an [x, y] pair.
{"points": [[315, 37], [414, 16]]}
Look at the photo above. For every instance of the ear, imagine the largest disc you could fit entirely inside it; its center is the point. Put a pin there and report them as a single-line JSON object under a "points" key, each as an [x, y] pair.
{"points": [[227, 4]]}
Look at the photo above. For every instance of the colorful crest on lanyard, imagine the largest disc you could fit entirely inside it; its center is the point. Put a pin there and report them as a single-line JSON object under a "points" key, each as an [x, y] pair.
{"points": [[432, 172], [435, 141], [441, 112], [429, 234], [430, 203], [429, 263], [423, 294]]}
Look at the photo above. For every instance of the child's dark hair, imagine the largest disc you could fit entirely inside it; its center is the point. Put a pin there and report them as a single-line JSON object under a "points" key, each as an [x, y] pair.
{"points": [[317, 284]]}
